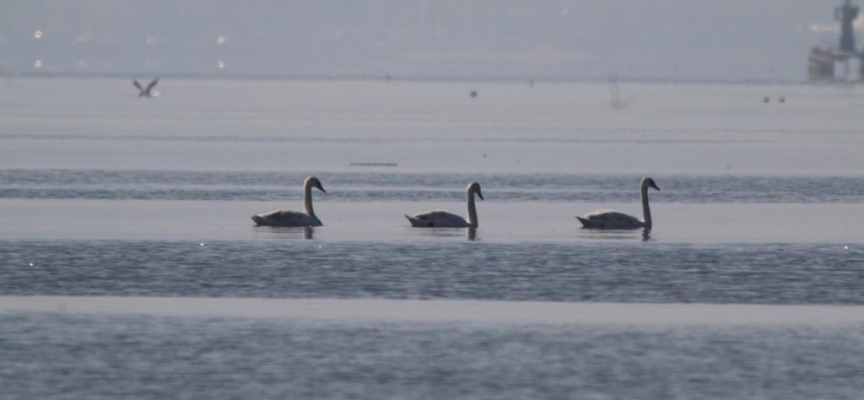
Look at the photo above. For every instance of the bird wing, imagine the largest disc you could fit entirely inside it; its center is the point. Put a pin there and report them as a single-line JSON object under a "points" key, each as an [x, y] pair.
{"points": [[137, 85], [150, 86], [287, 218], [438, 219], [608, 219]]}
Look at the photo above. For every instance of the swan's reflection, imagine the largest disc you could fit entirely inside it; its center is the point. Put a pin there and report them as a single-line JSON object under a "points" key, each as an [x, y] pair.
{"points": [[646, 235], [305, 232], [619, 234], [470, 233]]}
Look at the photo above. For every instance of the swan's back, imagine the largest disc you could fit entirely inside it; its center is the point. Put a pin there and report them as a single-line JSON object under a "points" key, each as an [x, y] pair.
{"points": [[286, 218], [608, 219], [440, 219]]}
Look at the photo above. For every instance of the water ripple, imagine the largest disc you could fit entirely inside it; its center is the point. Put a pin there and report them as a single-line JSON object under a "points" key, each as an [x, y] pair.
{"points": [[777, 274], [346, 186]]}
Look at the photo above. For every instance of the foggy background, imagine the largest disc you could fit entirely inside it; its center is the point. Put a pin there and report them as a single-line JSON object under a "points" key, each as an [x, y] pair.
{"points": [[680, 40]]}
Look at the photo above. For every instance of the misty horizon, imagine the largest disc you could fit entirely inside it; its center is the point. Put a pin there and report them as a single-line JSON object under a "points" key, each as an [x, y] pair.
{"points": [[484, 39]]}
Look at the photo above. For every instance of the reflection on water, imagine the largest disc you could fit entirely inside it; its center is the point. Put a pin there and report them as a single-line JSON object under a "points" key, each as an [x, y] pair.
{"points": [[472, 234], [284, 232], [469, 233], [616, 234]]}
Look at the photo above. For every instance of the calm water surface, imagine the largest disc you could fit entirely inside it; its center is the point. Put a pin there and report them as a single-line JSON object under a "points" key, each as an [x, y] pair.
{"points": [[106, 196]]}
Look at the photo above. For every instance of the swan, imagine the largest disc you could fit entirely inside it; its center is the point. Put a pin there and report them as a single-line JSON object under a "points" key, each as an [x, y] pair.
{"points": [[443, 219], [617, 220], [146, 92], [294, 218]]}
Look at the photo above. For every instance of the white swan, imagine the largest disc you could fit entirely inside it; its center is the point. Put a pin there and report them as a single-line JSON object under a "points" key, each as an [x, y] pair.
{"points": [[443, 219], [617, 220], [146, 92], [294, 218]]}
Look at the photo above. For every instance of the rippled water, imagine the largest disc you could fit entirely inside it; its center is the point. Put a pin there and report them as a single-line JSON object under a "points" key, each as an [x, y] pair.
{"points": [[104, 196], [606, 272], [158, 357], [271, 186]]}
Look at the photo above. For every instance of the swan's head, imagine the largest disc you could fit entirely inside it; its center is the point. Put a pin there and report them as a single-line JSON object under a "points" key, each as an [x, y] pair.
{"points": [[649, 182], [474, 187], [314, 182]]}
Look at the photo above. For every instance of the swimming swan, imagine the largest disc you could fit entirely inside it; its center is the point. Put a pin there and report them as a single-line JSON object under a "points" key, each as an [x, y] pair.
{"points": [[617, 220], [146, 92], [443, 219], [294, 218]]}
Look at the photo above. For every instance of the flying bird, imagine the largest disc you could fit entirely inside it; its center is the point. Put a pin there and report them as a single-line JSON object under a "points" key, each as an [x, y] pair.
{"points": [[148, 91]]}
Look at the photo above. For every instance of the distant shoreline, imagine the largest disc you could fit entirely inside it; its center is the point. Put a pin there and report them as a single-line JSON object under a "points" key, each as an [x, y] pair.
{"points": [[397, 78]]}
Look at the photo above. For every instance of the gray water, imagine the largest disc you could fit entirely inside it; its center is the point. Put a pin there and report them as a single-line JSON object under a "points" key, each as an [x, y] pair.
{"points": [[376, 186], [603, 272], [104, 196], [158, 357]]}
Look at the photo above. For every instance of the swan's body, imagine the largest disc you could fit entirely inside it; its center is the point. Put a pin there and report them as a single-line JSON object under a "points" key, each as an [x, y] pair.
{"points": [[146, 91], [607, 219], [443, 219], [294, 218], [286, 218], [437, 219]]}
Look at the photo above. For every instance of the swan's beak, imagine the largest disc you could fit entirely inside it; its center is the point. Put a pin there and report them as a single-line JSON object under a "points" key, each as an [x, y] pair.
{"points": [[480, 195], [321, 188]]}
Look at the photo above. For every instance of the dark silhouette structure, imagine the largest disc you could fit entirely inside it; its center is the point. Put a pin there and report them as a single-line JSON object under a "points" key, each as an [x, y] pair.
{"points": [[823, 62], [846, 15]]}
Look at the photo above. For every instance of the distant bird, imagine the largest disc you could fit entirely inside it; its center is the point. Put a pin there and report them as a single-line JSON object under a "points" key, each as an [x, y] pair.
{"points": [[619, 220], [443, 219], [782, 100], [473, 93], [766, 99], [148, 91], [294, 218]]}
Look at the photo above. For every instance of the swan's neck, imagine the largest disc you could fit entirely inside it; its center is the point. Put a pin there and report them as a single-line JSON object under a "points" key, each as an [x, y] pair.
{"points": [[646, 211], [307, 199], [472, 210]]}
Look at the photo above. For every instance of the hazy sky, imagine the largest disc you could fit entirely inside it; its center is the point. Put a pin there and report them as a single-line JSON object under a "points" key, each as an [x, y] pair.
{"points": [[572, 39]]}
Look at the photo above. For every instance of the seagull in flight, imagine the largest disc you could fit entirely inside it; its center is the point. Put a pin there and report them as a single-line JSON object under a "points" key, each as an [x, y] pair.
{"points": [[146, 92]]}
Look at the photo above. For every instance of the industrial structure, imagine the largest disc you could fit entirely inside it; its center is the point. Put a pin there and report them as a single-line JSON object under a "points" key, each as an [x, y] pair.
{"points": [[834, 63]]}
